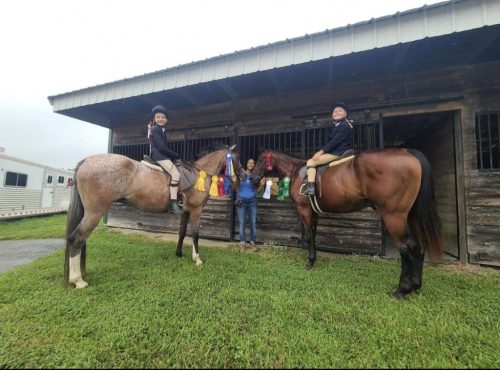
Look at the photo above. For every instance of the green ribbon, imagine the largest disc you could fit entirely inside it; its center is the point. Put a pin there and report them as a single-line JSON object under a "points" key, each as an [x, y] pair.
{"points": [[284, 188]]}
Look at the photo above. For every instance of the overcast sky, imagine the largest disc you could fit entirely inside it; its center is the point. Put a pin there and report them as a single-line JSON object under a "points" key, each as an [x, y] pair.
{"points": [[50, 47]]}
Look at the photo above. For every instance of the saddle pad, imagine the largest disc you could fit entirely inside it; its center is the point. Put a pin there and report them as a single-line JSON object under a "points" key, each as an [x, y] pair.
{"points": [[188, 177], [340, 161], [323, 167]]}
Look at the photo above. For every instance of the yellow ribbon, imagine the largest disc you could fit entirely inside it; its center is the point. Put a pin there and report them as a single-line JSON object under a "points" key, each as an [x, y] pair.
{"points": [[200, 183], [213, 188]]}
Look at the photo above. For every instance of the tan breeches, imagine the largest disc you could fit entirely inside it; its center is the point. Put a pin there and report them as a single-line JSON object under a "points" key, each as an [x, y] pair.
{"points": [[312, 164], [169, 166]]}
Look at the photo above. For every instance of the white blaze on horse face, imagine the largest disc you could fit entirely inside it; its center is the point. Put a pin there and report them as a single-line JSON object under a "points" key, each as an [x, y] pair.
{"points": [[196, 257], [75, 274]]}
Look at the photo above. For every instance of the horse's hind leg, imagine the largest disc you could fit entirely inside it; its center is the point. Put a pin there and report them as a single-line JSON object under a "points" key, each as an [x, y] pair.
{"points": [[412, 259], [77, 246], [182, 233], [412, 264]]}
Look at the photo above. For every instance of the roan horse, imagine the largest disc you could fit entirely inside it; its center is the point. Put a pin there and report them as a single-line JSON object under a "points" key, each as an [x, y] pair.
{"points": [[103, 179], [396, 182]]}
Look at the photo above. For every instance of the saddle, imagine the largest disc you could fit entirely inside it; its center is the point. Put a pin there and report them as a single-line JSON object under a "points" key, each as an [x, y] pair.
{"points": [[188, 174], [346, 156]]}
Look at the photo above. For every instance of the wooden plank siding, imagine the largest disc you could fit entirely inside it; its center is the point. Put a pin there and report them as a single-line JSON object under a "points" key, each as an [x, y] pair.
{"points": [[444, 94]]}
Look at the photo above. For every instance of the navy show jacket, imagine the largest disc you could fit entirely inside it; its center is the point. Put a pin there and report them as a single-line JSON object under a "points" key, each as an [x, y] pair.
{"points": [[339, 138], [158, 144]]}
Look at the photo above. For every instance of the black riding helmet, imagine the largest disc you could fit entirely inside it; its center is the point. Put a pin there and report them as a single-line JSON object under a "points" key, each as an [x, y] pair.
{"points": [[339, 104], [158, 109]]}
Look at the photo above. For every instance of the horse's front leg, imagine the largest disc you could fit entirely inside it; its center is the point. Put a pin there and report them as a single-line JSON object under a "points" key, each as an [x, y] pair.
{"points": [[195, 230], [182, 232], [308, 239]]}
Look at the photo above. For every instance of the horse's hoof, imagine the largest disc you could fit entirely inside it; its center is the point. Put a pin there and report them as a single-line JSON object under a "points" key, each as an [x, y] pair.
{"points": [[81, 284], [199, 262], [397, 294], [309, 265], [178, 254]]}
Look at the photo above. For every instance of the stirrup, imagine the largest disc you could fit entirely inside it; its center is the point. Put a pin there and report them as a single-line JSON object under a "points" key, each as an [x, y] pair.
{"points": [[307, 189]]}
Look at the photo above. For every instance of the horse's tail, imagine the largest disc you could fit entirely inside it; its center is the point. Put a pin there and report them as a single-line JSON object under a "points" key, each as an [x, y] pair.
{"points": [[75, 215], [424, 223]]}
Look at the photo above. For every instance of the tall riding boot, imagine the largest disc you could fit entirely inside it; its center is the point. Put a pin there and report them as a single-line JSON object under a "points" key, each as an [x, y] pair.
{"points": [[174, 205], [308, 189]]}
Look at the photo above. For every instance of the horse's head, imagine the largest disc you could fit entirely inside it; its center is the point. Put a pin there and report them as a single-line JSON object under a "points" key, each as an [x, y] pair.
{"points": [[264, 163], [275, 161]]}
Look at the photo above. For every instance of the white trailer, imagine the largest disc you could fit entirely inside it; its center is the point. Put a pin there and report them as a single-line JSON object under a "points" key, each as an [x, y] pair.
{"points": [[26, 185]]}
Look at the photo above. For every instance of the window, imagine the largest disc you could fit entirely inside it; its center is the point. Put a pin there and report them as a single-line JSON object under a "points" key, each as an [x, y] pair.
{"points": [[488, 140], [70, 181], [16, 179], [60, 180], [49, 179]]}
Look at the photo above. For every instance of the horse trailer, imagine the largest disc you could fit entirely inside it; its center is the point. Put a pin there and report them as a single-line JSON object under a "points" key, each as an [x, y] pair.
{"points": [[27, 185]]}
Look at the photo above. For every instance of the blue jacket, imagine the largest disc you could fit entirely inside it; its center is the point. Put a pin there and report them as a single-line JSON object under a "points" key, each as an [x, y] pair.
{"points": [[339, 138], [158, 144], [246, 186]]}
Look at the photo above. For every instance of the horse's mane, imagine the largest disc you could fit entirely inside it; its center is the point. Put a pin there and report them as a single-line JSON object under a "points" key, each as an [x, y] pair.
{"points": [[212, 147], [294, 157]]}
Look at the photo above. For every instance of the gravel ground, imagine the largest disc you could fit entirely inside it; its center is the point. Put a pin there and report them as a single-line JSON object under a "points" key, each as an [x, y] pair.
{"points": [[17, 252]]}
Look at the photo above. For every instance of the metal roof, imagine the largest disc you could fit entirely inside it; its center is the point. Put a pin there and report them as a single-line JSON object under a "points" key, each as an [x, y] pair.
{"points": [[305, 54]]}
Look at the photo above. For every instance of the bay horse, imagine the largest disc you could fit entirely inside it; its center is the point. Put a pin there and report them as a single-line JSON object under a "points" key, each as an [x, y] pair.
{"points": [[103, 179], [395, 181]]}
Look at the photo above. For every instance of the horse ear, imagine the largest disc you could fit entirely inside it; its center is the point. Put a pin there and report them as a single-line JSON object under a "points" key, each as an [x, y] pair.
{"points": [[232, 147]]}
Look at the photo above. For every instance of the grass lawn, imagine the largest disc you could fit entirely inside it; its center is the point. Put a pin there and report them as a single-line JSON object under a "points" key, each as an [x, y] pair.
{"points": [[146, 308]]}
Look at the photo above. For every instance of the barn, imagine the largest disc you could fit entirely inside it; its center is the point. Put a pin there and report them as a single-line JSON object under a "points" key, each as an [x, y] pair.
{"points": [[427, 78]]}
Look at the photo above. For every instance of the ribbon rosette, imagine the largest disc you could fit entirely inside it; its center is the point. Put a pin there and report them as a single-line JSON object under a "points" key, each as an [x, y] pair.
{"points": [[213, 187], [200, 183]]}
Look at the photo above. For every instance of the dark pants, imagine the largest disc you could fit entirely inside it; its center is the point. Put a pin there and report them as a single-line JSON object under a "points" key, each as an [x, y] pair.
{"points": [[247, 208]]}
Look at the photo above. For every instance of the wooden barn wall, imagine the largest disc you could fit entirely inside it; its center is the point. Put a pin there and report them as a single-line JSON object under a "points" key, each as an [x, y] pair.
{"points": [[482, 188], [440, 152], [215, 222], [470, 89]]}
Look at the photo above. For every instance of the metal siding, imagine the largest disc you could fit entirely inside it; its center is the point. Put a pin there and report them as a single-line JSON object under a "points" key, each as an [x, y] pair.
{"points": [[194, 74], [16, 199], [220, 68], [439, 22], [491, 12], [283, 55], [428, 21], [387, 33], [414, 28], [208, 71], [267, 58], [251, 62], [306, 51], [235, 65], [363, 38], [182, 76], [321, 47]]}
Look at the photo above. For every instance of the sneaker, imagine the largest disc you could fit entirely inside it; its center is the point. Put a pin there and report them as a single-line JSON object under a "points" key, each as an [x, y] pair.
{"points": [[308, 189], [253, 246]]}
